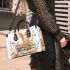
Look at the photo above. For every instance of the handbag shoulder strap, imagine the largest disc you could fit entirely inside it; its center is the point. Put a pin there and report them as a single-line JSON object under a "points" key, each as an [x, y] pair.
{"points": [[14, 16]]}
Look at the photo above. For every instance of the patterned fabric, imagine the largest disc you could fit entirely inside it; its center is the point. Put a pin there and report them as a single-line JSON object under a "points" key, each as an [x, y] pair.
{"points": [[45, 16], [22, 6], [25, 45]]}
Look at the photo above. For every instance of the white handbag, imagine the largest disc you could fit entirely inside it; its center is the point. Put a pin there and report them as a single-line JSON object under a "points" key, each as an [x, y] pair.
{"points": [[25, 41]]}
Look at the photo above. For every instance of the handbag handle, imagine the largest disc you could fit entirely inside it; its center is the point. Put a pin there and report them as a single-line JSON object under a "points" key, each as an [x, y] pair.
{"points": [[17, 28], [34, 20], [18, 24], [10, 28]]}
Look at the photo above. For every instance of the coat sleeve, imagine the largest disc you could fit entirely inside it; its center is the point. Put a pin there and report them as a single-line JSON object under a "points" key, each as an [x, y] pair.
{"points": [[47, 19]]}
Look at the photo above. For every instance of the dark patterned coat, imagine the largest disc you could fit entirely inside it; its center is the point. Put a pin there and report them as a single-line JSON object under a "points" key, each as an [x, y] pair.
{"points": [[45, 13]]}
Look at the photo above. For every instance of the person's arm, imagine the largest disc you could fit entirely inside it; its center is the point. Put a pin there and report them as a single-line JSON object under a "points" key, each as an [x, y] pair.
{"points": [[46, 17], [48, 20]]}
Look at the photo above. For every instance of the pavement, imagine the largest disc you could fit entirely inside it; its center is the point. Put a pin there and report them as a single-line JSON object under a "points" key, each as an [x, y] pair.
{"points": [[21, 63]]}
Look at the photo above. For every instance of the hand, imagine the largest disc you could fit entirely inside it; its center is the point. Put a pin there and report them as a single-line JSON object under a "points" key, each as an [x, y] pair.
{"points": [[63, 42]]}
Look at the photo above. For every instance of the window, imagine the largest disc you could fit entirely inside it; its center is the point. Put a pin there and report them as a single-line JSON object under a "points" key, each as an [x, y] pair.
{"points": [[5, 4]]}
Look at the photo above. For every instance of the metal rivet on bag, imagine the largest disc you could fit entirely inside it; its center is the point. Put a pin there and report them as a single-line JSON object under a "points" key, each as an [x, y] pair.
{"points": [[6, 35], [15, 37], [28, 33]]}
